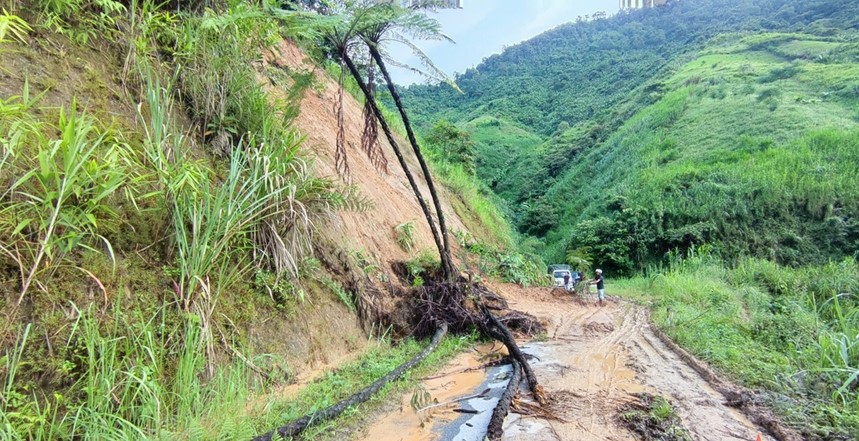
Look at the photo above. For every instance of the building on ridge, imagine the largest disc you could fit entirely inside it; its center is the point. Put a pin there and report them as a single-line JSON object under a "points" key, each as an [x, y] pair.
{"points": [[641, 4]]}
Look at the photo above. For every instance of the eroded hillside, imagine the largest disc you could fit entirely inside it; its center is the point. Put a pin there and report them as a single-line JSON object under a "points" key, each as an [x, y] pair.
{"points": [[173, 227]]}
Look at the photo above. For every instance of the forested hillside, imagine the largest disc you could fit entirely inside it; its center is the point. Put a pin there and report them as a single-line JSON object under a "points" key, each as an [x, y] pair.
{"points": [[670, 105], [751, 149], [577, 71], [709, 149], [182, 233]]}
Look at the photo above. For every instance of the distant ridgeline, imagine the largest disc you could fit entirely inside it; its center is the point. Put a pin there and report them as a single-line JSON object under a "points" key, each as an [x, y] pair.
{"points": [[646, 132]]}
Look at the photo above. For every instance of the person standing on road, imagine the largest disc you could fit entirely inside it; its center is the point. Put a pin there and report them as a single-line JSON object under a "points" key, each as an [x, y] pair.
{"points": [[598, 281], [567, 281]]}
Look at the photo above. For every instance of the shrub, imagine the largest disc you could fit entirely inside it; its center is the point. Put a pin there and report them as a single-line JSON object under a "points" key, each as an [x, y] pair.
{"points": [[405, 235], [780, 73]]}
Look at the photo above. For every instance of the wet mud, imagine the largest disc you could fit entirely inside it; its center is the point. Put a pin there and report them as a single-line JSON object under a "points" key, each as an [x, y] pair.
{"points": [[448, 393], [593, 363]]}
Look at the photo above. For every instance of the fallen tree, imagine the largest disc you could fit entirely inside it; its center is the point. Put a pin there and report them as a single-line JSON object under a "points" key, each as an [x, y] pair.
{"points": [[501, 333], [459, 308], [501, 410]]}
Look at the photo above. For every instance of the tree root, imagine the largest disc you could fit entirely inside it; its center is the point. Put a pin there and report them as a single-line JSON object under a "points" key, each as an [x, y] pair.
{"points": [[501, 410], [460, 304], [299, 425], [459, 307], [466, 305]]}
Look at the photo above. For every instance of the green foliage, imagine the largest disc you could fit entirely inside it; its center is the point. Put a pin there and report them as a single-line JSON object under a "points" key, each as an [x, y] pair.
{"points": [[780, 73], [653, 417], [150, 370], [580, 258], [524, 267], [455, 145], [64, 192], [520, 269], [345, 296], [791, 331], [475, 204], [217, 52], [406, 235], [82, 20], [423, 266], [13, 25]]}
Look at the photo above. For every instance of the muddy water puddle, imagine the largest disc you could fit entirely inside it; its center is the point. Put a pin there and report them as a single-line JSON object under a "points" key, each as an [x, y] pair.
{"points": [[453, 405], [593, 364]]}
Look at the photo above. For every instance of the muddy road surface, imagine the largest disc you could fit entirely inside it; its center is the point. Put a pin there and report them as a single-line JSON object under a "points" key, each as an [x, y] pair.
{"points": [[592, 363]]}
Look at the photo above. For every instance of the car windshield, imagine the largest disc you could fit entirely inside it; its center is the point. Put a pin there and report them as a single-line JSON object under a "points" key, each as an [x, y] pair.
{"points": [[561, 274]]}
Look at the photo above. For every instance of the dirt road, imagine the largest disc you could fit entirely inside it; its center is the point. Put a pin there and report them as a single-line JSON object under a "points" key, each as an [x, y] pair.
{"points": [[592, 362]]}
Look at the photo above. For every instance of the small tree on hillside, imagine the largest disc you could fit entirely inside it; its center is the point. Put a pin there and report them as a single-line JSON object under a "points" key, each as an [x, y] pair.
{"points": [[454, 143]]}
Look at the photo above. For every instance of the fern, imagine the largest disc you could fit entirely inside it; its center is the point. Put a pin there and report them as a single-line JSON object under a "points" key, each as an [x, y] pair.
{"points": [[406, 236]]}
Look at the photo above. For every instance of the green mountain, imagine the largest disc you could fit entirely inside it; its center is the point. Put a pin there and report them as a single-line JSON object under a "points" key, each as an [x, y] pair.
{"points": [[729, 123]]}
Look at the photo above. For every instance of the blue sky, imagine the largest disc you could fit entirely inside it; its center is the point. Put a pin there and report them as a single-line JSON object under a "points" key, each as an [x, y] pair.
{"points": [[484, 27]]}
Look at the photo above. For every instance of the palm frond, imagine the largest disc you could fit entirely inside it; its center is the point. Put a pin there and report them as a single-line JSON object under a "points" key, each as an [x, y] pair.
{"points": [[427, 70], [302, 25]]}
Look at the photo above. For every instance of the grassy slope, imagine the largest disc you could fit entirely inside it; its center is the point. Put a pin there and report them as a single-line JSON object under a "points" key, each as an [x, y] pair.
{"points": [[781, 331], [498, 143], [730, 147], [98, 327]]}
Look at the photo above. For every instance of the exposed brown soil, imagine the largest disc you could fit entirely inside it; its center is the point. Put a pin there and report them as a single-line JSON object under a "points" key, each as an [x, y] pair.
{"points": [[371, 231], [404, 422], [594, 363]]}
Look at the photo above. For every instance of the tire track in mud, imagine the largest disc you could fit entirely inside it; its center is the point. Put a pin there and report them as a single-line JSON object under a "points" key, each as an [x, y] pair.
{"points": [[615, 354], [592, 363]]}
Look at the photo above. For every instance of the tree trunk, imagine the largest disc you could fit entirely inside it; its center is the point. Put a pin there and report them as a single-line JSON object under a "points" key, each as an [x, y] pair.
{"points": [[447, 262], [445, 257], [496, 423], [500, 332]]}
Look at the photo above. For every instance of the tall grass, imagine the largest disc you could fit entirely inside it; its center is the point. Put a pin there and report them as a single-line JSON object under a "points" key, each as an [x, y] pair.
{"points": [[792, 331], [63, 189], [135, 380], [258, 214], [12, 25]]}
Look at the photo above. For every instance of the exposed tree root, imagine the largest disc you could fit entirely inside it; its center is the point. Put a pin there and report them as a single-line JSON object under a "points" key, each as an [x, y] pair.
{"points": [[522, 322], [466, 305], [458, 307], [298, 426], [501, 410], [460, 304]]}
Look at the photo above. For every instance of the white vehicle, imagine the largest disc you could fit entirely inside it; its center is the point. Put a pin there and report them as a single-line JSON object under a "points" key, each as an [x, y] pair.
{"points": [[558, 275]]}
